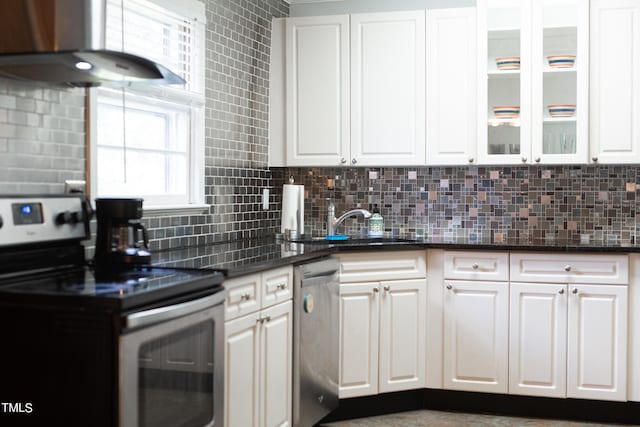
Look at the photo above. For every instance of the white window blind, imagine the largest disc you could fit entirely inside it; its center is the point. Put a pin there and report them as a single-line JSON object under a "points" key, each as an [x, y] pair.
{"points": [[149, 140]]}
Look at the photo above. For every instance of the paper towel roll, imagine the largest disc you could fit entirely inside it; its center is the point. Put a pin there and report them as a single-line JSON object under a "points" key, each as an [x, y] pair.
{"points": [[292, 208]]}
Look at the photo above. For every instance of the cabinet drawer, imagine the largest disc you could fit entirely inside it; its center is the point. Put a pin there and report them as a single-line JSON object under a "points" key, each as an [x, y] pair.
{"points": [[277, 285], [243, 296], [474, 265], [570, 268], [371, 266]]}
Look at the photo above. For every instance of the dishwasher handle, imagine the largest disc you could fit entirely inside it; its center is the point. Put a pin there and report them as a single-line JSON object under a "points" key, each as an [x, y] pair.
{"points": [[314, 274]]}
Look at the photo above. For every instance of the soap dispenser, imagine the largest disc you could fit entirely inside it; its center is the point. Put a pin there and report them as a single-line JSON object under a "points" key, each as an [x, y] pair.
{"points": [[376, 223]]}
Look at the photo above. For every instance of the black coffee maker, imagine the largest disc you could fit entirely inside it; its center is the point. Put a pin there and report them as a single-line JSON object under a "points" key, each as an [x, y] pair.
{"points": [[121, 241]]}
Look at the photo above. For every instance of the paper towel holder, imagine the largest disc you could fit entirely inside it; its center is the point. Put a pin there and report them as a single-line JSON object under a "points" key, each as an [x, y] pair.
{"points": [[292, 216]]}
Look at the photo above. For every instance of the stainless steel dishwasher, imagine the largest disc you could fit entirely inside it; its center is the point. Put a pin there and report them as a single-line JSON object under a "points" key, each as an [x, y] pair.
{"points": [[315, 358]]}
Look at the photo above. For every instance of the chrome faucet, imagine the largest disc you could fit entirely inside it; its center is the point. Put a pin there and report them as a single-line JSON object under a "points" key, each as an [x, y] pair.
{"points": [[333, 222]]}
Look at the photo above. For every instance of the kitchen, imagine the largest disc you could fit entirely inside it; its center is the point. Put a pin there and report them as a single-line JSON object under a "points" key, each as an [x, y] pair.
{"points": [[43, 144]]}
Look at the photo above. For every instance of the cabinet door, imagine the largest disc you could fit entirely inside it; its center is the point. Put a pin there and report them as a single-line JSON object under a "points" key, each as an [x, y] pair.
{"points": [[560, 87], [615, 81], [476, 336], [317, 96], [276, 365], [402, 335], [504, 85], [451, 86], [387, 88], [537, 339], [597, 345], [241, 373], [359, 305]]}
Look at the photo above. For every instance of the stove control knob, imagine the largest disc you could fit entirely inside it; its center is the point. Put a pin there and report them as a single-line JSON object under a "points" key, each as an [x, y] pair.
{"points": [[67, 217]]}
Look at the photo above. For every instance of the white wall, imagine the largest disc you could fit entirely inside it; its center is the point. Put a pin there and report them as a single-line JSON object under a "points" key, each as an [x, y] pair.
{"points": [[335, 7]]}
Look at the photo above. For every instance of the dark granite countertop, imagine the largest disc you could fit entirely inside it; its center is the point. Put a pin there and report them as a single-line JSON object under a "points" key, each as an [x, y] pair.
{"points": [[248, 256]]}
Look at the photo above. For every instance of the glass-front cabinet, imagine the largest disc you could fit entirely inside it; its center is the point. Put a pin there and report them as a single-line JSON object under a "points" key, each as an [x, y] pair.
{"points": [[534, 93]]}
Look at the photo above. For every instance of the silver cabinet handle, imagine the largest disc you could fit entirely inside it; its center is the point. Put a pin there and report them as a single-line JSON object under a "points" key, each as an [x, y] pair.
{"points": [[387, 288], [376, 290], [281, 286], [524, 159], [567, 268], [343, 160], [574, 291], [267, 319], [594, 158], [470, 159], [246, 296], [537, 159], [475, 266], [449, 287], [354, 161], [561, 291]]}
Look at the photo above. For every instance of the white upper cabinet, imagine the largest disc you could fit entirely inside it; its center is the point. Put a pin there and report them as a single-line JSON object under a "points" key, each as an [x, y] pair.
{"points": [[388, 88], [317, 90], [451, 86], [533, 94], [615, 81], [560, 88]]}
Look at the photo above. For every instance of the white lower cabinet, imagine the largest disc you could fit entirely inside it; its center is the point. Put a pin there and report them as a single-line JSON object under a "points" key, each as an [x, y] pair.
{"points": [[552, 325], [382, 324], [597, 342], [538, 339], [475, 336], [475, 306], [359, 319], [259, 350], [569, 339], [258, 356]]}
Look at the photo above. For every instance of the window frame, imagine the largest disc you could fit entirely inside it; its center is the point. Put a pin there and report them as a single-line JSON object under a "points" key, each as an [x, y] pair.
{"points": [[194, 105]]}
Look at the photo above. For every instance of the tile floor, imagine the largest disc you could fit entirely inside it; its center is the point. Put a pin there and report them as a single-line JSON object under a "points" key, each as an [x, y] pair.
{"points": [[428, 418]]}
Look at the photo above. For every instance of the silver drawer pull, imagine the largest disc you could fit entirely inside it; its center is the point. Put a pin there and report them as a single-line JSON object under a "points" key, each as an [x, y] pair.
{"points": [[449, 287], [567, 268], [475, 266], [376, 290], [574, 291], [245, 296], [387, 288], [281, 286], [561, 291]]}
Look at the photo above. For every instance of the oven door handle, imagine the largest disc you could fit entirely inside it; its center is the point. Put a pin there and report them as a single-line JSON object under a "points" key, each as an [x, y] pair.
{"points": [[163, 314]]}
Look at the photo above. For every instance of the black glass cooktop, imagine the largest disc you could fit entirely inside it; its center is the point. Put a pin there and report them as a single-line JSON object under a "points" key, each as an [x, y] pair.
{"points": [[128, 288]]}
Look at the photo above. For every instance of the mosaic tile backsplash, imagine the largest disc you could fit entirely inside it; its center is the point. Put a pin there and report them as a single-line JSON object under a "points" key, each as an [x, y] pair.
{"points": [[575, 204]]}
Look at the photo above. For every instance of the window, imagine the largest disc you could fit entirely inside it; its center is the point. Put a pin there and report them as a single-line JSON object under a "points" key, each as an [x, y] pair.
{"points": [[148, 140]]}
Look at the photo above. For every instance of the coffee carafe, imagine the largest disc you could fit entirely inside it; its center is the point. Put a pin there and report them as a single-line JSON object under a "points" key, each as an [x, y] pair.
{"points": [[121, 240]]}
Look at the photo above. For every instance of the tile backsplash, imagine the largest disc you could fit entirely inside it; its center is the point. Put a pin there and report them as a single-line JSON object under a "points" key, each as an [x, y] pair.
{"points": [[42, 137], [489, 204]]}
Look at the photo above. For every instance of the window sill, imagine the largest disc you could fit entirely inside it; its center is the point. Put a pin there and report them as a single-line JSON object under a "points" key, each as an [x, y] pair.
{"points": [[175, 210]]}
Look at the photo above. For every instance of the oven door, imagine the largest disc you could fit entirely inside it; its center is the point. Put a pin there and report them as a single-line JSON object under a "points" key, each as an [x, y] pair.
{"points": [[171, 365]]}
